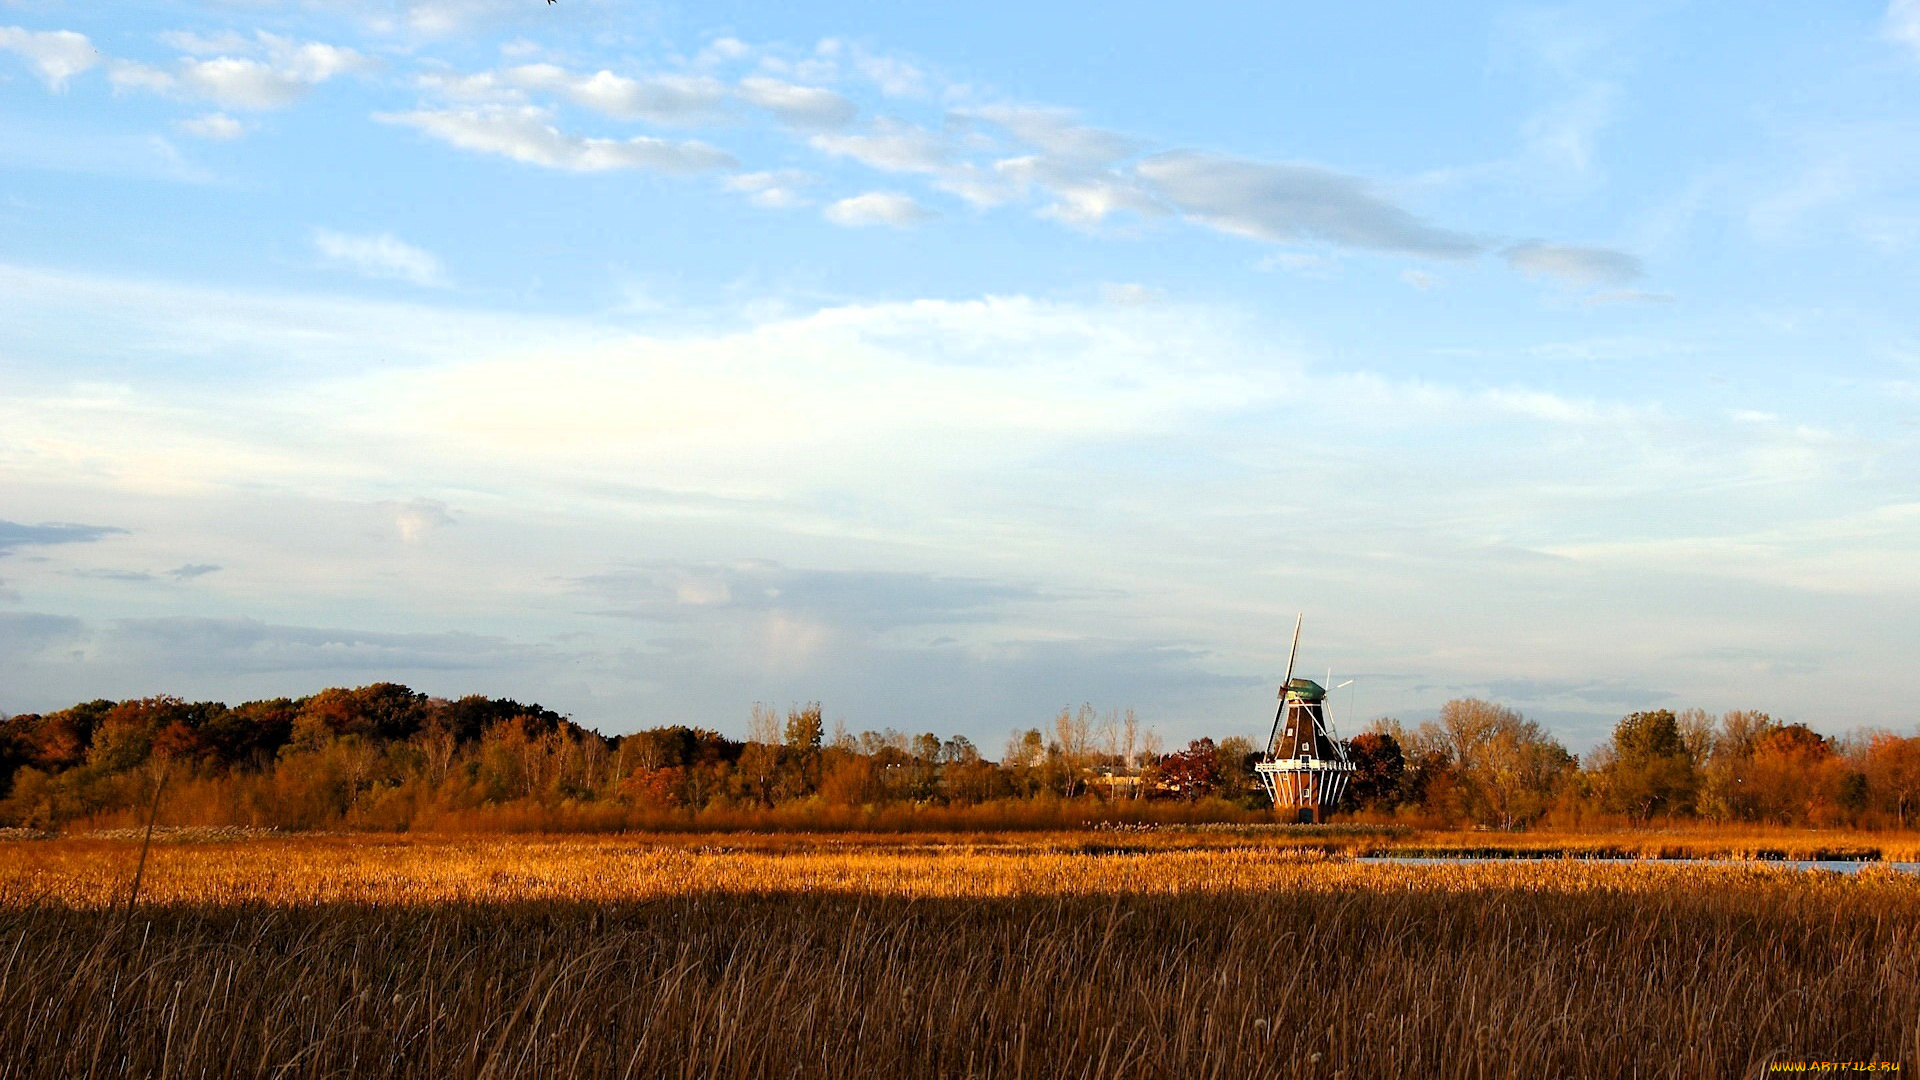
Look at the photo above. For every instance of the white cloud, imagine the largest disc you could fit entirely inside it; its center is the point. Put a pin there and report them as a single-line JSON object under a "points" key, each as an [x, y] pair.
{"points": [[675, 99], [779, 189], [240, 83], [216, 126], [313, 61], [58, 55], [379, 256], [879, 208], [526, 134], [658, 99], [800, 106], [1903, 24], [283, 72], [891, 146], [1573, 265]]}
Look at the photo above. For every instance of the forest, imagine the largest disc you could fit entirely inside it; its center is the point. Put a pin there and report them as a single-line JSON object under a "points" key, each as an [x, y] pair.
{"points": [[388, 758]]}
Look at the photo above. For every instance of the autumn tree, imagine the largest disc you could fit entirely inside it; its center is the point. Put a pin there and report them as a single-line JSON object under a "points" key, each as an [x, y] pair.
{"points": [[1466, 727], [1782, 778], [1379, 766], [1521, 770], [1893, 774], [1193, 772]]}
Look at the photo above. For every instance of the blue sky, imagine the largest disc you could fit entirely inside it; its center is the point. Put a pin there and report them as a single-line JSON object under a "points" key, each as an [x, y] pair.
{"points": [[951, 366]]}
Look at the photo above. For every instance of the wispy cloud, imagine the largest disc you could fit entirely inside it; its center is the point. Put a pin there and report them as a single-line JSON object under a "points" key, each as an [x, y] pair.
{"points": [[245, 645], [380, 255], [1573, 265], [800, 106], [779, 189], [1289, 203], [660, 99], [1042, 157], [891, 145], [14, 534], [216, 126], [526, 134]]}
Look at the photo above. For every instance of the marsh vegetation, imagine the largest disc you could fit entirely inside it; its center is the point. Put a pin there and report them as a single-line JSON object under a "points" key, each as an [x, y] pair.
{"points": [[1225, 955]]}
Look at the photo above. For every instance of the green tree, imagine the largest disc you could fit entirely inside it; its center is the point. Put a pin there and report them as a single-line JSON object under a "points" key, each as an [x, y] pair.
{"points": [[1649, 771]]}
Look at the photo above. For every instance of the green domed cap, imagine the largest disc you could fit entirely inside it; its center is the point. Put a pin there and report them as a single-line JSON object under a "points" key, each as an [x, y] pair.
{"points": [[1306, 690]]}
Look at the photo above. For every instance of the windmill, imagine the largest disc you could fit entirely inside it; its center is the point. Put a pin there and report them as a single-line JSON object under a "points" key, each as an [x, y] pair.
{"points": [[1305, 769]]}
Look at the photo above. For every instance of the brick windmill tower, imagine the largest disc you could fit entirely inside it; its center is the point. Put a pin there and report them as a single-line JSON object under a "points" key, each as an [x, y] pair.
{"points": [[1306, 769]]}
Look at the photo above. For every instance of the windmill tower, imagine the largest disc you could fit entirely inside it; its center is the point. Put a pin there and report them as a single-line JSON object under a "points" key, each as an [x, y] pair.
{"points": [[1306, 768]]}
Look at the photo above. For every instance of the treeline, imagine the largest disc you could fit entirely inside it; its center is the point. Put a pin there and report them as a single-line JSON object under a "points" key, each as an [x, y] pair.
{"points": [[386, 757], [1486, 764]]}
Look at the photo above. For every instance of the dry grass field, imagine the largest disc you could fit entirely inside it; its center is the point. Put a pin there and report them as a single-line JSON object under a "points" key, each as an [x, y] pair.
{"points": [[1184, 954]]}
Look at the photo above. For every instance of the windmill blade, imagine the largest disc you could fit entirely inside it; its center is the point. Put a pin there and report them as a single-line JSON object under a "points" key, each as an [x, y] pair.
{"points": [[1281, 713]]}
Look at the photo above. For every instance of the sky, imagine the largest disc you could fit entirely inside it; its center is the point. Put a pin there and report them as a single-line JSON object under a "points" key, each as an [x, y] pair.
{"points": [[953, 365]]}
